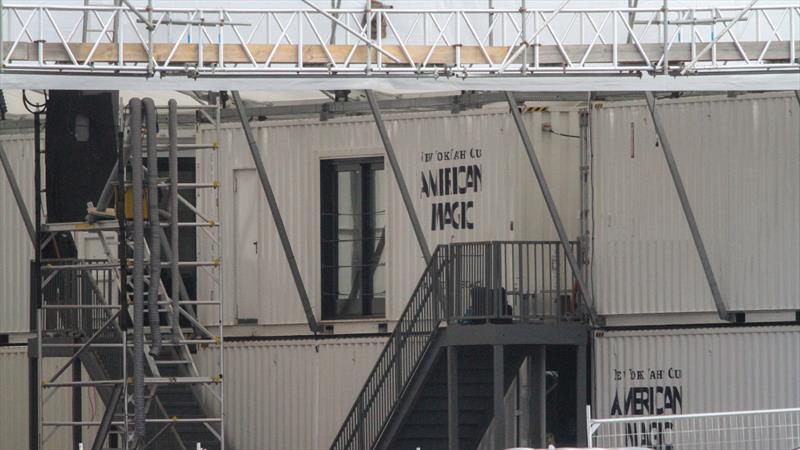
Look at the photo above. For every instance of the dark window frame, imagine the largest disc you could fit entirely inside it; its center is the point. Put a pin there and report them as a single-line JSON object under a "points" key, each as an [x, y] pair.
{"points": [[368, 240]]}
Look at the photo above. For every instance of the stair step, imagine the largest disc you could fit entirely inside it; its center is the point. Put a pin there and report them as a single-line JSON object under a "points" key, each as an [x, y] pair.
{"points": [[172, 361]]}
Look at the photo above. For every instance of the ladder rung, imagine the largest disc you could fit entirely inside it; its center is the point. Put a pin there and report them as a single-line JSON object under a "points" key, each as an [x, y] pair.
{"points": [[171, 362], [181, 380], [212, 185], [82, 383]]}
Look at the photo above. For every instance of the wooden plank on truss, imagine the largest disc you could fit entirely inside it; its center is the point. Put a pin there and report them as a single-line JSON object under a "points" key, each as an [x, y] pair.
{"points": [[314, 54]]}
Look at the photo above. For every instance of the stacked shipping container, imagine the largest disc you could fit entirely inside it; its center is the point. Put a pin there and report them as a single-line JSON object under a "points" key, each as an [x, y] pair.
{"points": [[739, 160], [506, 205]]}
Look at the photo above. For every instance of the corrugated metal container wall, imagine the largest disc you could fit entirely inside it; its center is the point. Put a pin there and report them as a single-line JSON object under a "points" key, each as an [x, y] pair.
{"points": [[508, 204], [14, 402], [739, 161], [16, 250], [291, 394], [715, 369]]}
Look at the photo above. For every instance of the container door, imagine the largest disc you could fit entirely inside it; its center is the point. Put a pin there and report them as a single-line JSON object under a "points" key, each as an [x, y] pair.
{"points": [[248, 201]]}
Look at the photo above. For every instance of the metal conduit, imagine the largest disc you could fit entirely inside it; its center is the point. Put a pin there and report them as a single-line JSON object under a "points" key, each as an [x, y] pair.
{"points": [[155, 225], [135, 108], [173, 220]]}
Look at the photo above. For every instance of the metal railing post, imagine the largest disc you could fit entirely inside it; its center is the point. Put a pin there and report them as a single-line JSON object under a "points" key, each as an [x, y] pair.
{"points": [[722, 310], [361, 430], [452, 398]]}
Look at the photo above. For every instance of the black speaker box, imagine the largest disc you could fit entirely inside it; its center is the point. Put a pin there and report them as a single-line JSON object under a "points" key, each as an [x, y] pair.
{"points": [[80, 150]]}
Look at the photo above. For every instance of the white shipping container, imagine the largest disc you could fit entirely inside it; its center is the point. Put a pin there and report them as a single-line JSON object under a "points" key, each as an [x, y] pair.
{"points": [[291, 394], [14, 401], [739, 161], [697, 370], [506, 205], [16, 250]]}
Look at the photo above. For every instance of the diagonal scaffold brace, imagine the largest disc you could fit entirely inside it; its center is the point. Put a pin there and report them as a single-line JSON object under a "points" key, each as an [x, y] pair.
{"points": [[722, 310], [275, 212], [551, 207]]}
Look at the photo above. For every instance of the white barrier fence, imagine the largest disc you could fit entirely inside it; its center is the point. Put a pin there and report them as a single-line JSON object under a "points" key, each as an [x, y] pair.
{"points": [[735, 430]]}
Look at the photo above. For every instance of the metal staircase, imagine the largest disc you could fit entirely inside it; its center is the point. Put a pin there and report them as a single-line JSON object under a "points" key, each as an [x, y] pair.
{"points": [[403, 403], [86, 315]]}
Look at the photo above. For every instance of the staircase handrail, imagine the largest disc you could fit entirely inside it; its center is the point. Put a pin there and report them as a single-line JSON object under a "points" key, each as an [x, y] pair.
{"points": [[391, 356]]}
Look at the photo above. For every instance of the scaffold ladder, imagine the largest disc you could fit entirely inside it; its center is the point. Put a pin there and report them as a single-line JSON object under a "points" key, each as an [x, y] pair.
{"points": [[80, 319]]}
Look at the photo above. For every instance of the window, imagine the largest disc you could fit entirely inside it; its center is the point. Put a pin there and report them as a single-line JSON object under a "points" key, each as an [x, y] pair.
{"points": [[353, 238]]}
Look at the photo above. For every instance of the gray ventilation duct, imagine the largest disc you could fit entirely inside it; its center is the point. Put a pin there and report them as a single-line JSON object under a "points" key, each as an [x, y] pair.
{"points": [[135, 110], [151, 123]]}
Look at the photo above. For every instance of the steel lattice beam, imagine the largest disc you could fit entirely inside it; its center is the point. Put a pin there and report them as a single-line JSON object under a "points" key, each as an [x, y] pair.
{"points": [[199, 44]]}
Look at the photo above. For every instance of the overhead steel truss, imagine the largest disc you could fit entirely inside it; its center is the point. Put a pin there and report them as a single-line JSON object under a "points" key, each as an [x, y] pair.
{"points": [[203, 43]]}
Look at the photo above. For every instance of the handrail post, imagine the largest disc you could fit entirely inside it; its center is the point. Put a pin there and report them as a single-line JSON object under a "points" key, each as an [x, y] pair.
{"points": [[361, 430], [449, 284]]}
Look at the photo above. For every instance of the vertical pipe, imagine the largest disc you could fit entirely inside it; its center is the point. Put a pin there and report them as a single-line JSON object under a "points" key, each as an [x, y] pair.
{"points": [[12, 180], [155, 226], [583, 240], [77, 407], [398, 176], [39, 439], [122, 239], [35, 379], [665, 29], [173, 223], [126, 417], [498, 397], [538, 396], [581, 397], [135, 109], [491, 19], [150, 50], [551, 206], [122, 255], [33, 402], [722, 310], [275, 212], [85, 31], [452, 397]]}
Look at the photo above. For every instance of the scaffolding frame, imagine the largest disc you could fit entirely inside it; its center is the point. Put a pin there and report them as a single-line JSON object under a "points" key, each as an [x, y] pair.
{"points": [[52, 312], [263, 42]]}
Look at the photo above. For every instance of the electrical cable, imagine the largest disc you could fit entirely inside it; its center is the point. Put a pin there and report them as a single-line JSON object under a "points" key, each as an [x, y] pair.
{"points": [[564, 134], [34, 108]]}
